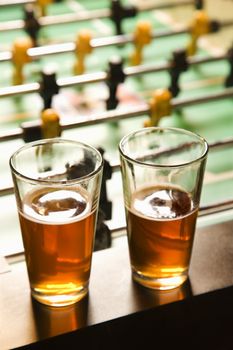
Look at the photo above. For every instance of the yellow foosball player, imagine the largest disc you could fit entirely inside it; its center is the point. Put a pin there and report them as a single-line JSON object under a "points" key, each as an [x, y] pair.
{"points": [[42, 6], [160, 106], [200, 25], [20, 57], [142, 37], [83, 48], [50, 128], [50, 124]]}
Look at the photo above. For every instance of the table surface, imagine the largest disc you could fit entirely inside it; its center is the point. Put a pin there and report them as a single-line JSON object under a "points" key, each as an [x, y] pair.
{"points": [[112, 293]]}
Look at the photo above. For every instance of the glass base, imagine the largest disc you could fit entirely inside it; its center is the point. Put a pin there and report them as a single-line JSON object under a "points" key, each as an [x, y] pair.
{"points": [[59, 299], [165, 283]]}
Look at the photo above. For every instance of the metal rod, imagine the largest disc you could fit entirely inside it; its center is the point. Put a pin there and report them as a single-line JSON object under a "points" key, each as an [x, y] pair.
{"points": [[11, 135], [195, 60], [147, 7], [120, 114], [82, 15], [6, 191], [15, 90], [85, 15], [6, 3], [102, 76], [74, 17], [114, 40], [165, 5], [228, 142], [216, 207], [180, 103], [222, 143]]}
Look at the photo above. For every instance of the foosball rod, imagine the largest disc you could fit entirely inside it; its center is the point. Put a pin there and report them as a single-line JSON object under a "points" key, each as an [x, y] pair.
{"points": [[113, 40], [98, 77], [119, 114], [168, 4], [83, 15], [70, 47], [7, 3]]}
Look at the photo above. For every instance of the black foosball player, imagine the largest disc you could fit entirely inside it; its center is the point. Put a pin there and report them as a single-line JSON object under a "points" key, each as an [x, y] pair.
{"points": [[119, 12], [103, 234], [82, 168], [179, 64], [105, 204], [115, 77], [199, 4], [48, 88], [229, 78], [103, 238], [31, 24]]}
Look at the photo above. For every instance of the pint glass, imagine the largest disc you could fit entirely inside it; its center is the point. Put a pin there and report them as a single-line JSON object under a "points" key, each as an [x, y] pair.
{"points": [[57, 186], [162, 173]]}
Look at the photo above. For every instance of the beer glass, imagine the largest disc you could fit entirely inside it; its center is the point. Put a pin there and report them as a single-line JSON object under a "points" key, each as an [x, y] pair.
{"points": [[162, 173], [57, 187]]}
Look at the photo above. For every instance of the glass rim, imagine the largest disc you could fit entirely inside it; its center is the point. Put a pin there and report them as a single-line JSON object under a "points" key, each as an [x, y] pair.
{"points": [[201, 139], [55, 140]]}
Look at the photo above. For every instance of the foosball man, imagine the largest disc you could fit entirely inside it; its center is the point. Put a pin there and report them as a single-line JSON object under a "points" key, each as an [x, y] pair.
{"points": [[160, 106], [199, 4], [179, 64], [83, 48], [103, 237], [31, 23], [50, 128], [50, 124], [229, 78], [115, 77], [105, 205], [142, 37], [42, 6], [119, 12], [20, 58], [199, 26], [48, 88]]}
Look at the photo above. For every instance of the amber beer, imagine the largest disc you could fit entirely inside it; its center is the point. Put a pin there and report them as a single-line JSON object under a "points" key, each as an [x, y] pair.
{"points": [[58, 231], [162, 172], [161, 225]]}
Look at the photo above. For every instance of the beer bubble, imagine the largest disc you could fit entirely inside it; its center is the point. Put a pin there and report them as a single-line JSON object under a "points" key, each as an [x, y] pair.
{"points": [[59, 202], [162, 202], [56, 204]]}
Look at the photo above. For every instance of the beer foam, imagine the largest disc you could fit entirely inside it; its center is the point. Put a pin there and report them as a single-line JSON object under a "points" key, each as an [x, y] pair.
{"points": [[161, 202], [56, 205]]}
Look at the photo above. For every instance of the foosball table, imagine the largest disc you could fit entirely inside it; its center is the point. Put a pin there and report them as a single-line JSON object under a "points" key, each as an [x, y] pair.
{"points": [[94, 71]]}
